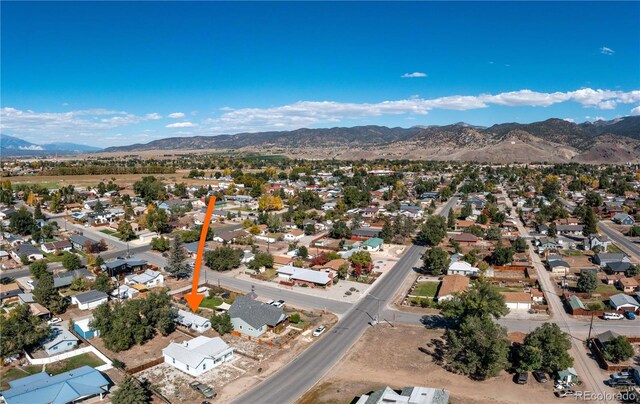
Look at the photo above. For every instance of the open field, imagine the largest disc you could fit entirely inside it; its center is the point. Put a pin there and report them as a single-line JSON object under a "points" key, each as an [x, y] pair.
{"points": [[390, 356]]}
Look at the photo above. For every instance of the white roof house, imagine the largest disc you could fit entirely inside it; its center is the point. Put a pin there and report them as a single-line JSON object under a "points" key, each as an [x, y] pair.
{"points": [[148, 278], [305, 275], [199, 355], [193, 321], [462, 268]]}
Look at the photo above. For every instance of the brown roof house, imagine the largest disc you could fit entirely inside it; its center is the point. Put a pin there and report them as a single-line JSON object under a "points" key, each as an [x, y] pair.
{"points": [[452, 284], [517, 300]]}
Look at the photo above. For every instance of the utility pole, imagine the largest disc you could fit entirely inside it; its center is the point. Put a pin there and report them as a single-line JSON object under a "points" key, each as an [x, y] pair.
{"points": [[590, 327]]}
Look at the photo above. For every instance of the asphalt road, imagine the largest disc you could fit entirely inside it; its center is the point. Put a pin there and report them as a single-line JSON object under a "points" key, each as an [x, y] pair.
{"points": [[293, 380], [619, 239]]}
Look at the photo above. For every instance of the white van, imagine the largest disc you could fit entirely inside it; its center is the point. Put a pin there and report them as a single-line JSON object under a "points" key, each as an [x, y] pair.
{"points": [[613, 316]]}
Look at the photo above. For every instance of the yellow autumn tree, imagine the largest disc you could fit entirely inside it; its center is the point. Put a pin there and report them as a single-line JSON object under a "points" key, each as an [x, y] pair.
{"points": [[269, 202]]}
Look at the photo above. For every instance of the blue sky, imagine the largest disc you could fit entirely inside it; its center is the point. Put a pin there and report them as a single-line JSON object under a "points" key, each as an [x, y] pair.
{"points": [[117, 73]]}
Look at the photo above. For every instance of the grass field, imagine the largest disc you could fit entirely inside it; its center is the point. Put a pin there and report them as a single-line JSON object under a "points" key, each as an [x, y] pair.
{"points": [[8, 374], [614, 249], [602, 288], [74, 362], [572, 253], [427, 289], [108, 232], [211, 302]]}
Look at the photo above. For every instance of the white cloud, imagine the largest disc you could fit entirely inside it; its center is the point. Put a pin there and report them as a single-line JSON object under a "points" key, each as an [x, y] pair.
{"points": [[635, 111], [154, 116], [569, 120], [595, 118], [181, 125], [413, 75], [176, 115], [607, 51]]}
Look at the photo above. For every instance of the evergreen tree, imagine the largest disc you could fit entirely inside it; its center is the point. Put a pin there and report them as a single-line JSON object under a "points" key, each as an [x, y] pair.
{"points": [[131, 392], [177, 262], [222, 323], [45, 294], [37, 212], [590, 222], [587, 282], [451, 219]]}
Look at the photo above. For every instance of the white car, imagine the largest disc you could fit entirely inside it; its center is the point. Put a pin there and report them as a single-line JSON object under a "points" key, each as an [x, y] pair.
{"points": [[271, 302], [319, 331], [54, 320], [613, 316], [278, 304]]}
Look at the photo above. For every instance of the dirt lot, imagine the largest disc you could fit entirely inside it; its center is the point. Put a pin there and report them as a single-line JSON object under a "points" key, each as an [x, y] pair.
{"points": [[396, 361]]}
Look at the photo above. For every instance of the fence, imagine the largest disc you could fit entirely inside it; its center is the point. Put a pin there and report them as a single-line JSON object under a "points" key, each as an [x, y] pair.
{"points": [[71, 354], [145, 366], [604, 364]]}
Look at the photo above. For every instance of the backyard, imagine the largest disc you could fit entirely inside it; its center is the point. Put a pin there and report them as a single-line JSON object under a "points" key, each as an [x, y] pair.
{"points": [[88, 359], [426, 289], [8, 374]]}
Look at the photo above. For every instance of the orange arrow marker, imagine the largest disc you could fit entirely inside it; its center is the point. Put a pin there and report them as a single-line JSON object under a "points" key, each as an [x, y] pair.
{"points": [[194, 299]]}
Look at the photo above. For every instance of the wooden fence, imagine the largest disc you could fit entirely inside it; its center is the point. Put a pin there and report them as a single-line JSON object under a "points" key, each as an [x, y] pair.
{"points": [[145, 366]]}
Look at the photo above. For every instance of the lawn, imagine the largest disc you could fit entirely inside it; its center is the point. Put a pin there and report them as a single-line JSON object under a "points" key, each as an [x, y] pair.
{"points": [[107, 231], [572, 253], [268, 274], [614, 249], [51, 257], [89, 359], [9, 374], [602, 288], [211, 302], [427, 289]]}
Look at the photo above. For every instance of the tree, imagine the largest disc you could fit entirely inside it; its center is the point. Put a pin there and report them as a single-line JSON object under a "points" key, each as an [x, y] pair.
{"points": [[633, 270], [103, 283], [309, 229], [502, 255], [55, 203], [590, 222], [483, 300], [20, 330], [482, 219], [432, 231], [493, 233], [361, 259], [177, 261], [45, 294], [21, 221], [593, 199], [303, 252], [520, 245], [618, 349], [466, 211], [451, 219], [70, 261], [553, 345], [78, 284], [340, 230], [294, 318], [161, 244], [37, 212], [223, 258], [157, 220], [634, 231], [478, 348], [99, 261], [261, 259], [436, 261], [131, 392], [587, 282], [387, 232], [222, 323], [553, 231], [551, 187], [38, 268], [125, 230], [527, 358], [268, 203]]}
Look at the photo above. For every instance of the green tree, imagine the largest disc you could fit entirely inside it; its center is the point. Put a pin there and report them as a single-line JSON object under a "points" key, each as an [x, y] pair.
{"points": [[20, 330], [222, 323], [126, 231], [223, 258], [493, 233], [502, 255], [527, 358], [303, 252], [21, 221], [551, 187], [70, 261], [590, 222], [520, 245], [451, 219], [103, 283], [261, 259], [478, 348], [593, 199], [37, 212], [436, 261], [482, 219], [340, 230], [553, 345], [161, 244], [587, 282], [466, 211], [158, 221], [483, 300], [618, 349], [633, 270], [177, 261], [432, 231], [78, 284], [45, 294], [294, 318], [131, 392], [38, 268]]}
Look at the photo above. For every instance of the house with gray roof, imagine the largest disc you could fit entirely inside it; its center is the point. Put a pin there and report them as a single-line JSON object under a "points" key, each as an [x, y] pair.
{"points": [[124, 266], [26, 250], [253, 318], [64, 279], [198, 355], [624, 302], [304, 276], [89, 300], [408, 395], [192, 321], [79, 241], [603, 259], [60, 340]]}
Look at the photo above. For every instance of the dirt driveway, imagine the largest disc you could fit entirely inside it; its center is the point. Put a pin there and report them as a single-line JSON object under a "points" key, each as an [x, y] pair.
{"points": [[386, 356]]}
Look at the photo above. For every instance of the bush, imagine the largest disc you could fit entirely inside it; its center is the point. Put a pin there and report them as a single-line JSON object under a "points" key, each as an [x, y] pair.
{"points": [[294, 318], [595, 306]]}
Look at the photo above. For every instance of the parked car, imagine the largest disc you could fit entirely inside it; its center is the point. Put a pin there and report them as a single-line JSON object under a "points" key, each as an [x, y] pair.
{"points": [[54, 320], [630, 315], [523, 377], [319, 331], [621, 375], [278, 304], [613, 316], [540, 376], [5, 280], [203, 389], [621, 382], [561, 394], [271, 302]]}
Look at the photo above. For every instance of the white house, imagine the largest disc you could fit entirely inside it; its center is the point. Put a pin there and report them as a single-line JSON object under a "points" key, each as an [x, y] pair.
{"points": [[148, 278], [517, 300], [199, 355], [193, 321], [124, 292], [294, 235], [462, 268], [89, 300]]}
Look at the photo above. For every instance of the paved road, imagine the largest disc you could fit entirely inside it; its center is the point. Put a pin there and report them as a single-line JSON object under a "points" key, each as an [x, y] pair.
{"points": [[621, 240], [293, 380]]}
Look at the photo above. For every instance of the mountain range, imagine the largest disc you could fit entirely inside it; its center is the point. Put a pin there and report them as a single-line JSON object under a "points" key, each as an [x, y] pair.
{"points": [[13, 146], [552, 140]]}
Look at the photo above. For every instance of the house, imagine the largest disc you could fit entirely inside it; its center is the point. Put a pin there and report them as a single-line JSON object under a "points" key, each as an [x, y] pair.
{"points": [[623, 302], [26, 250], [372, 244], [627, 285], [366, 232], [370, 212], [82, 328], [78, 241], [9, 292], [60, 340], [517, 300], [429, 195], [148, 278], [62, 245], [408, 395], [39, 310], [64, 279], [294, 235], [568, 375], [193, 321], [304, 276], [412, 211], [89, 300], [198, 355], [452, 284], [465, 239], [228, 236], [603, 259], [460, 267], [253, 318], [123, 292], [124, 266], [623, 218], [247, 257], [597, 241], [618, 267], [569, 229], [575, 303], [68, 387], [558, 266]]}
